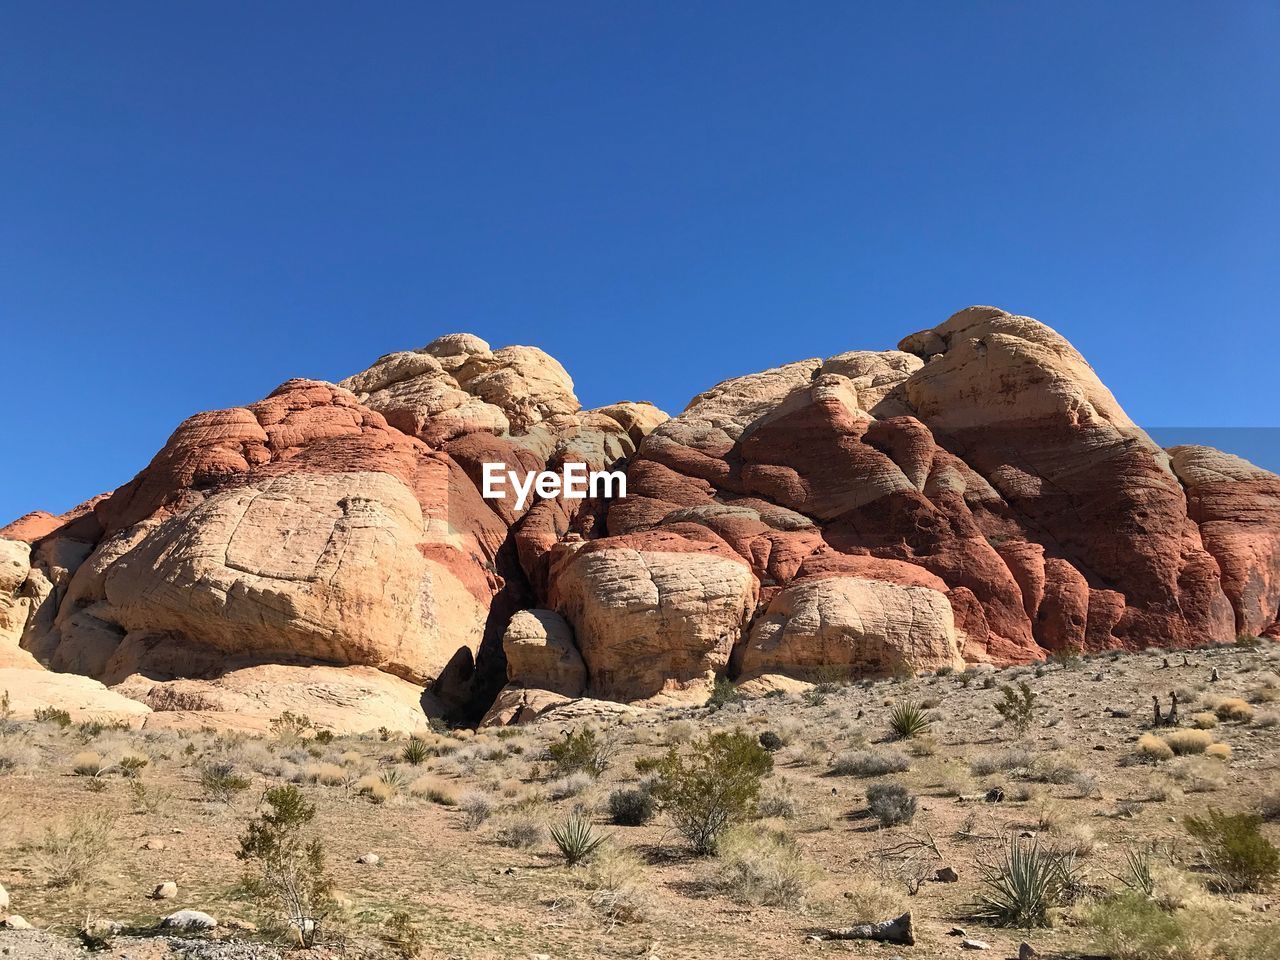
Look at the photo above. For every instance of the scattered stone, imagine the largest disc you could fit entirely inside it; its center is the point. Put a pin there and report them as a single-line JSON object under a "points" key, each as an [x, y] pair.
{"points": [[189, 920], [165, 891], [369, 859], [946, 875], [975, 945], [15, 922], [1027, 952]]}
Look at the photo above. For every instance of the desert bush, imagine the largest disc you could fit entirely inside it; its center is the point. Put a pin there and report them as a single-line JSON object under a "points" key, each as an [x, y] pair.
{"points": [[147, 799], [290, 728], [1184, 742], [1138, 873], [415, 752], [1135, 927], [404, 935], [476, 807], [770, 741], [289, 866], [1015, 758], [723, 693], [521, 829], [1049, 770], [764, 867], [713, 788], [630, 807], [434, 790], [571, 786], [1204, 720], [869, 899], [1218, 751], [1017, 707], [870, 763], [1084, 785], [1269, 806], [576, 839], [615, 879], [86, 763], [329, 774], [59, 718], [374, 789], [1235, 850], [907, 720], [77, 849], [1234, 710], [1075, 837], [582, 751], [1024, 886], [220, 782], [132, 764], [1153, 748], [891, 803], [777, 799], [680, 731], [16, 756]]}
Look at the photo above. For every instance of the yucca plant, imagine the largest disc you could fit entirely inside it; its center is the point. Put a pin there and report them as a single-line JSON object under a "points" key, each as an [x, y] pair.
{"points": [[577, 839], [908, 719], [415, 752], [1137, 875], [1024, 885], [394, 779]]}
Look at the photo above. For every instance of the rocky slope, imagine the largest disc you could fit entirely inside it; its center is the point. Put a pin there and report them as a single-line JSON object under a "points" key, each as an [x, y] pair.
{"points": [[977, 495]]}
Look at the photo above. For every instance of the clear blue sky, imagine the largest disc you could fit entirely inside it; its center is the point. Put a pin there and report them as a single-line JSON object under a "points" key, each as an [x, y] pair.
{"points": [[201, 200]]}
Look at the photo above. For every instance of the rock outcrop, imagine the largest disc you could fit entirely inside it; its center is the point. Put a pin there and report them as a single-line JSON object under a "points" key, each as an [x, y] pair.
{"points": [[976, 495]]}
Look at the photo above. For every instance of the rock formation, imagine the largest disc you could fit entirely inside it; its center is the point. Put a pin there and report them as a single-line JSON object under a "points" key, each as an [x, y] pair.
{"points": [[976, 495]]}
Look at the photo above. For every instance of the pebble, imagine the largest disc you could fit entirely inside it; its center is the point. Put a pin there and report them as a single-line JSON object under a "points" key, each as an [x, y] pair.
{"points": [[369, 859], [975, 945]]}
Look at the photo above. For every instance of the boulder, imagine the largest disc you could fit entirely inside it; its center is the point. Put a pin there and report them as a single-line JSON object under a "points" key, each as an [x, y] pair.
{"points": [[541, 653]]}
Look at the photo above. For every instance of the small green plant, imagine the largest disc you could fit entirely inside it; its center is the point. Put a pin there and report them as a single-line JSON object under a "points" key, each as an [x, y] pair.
{"points": [[415, 752], [59, 718], [582, 751], [576, 839], [713, 787], [324, 737], [1017, 707], [891, 803], [723, 693], [631, 807], [220, 782], [131, 765], [1241, 858], [816, 696], [290, 727], [148, 800], [290, 867], [908, 719], [1137, 874], [1066, 658], [1024, 886]]}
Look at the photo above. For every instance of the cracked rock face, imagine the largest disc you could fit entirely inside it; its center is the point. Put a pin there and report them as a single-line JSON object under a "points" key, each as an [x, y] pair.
{"points": [[976, 495]]}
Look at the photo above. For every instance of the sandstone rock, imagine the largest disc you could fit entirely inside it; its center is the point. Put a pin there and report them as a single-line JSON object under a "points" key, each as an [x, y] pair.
{"points": [[31, 689], [15, 922], [369, 859], [655, 615], [165, 891], [541, 653], [4, 898]]}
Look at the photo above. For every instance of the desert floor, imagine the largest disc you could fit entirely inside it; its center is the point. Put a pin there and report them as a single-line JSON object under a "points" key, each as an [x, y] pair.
{"points": [[445, 830]]}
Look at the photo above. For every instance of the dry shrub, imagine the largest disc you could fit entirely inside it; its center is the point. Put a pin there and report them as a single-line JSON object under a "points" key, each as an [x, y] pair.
{"points": [[1197, 775], [86, 763], [521, 829], [476, 807], [764, 867], [1218, 751], [1187, 742], [1234, 710], [435, 790], [867, 900], [1204, 721], [870, 763], [375, 789], [76, 850], [614, 879], [1134, 927], [1074, 837], [330, 774]]}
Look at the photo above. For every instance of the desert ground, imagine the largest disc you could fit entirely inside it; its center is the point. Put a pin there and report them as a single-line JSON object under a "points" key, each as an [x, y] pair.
{"points": [[94, 818]]}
